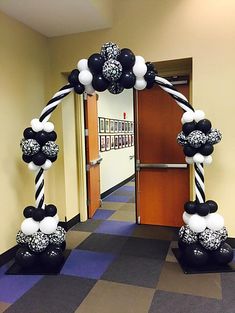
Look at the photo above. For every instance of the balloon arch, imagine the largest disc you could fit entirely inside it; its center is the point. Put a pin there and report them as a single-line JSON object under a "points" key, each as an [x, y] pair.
{"points": [[42, 241]]}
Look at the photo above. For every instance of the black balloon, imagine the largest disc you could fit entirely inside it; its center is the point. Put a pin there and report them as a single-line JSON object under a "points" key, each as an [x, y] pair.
{"points": [[52, 136], [127, 80], [150, 78], [182, 245], [188, 127], [52, 257], [26, 158], [126, 58], [95, 63], [150, 66], [28, 211], [203, 209], [42, 137], [189, 151], [204, 125], [207, 149], [52, 158], [38, 214], [39, 158], [79, 88], [195, 255], [25, 258], [190, 207], [99, 83], [73, 77], [223, 255], [212, 205], [50, 210], [29, 133]]}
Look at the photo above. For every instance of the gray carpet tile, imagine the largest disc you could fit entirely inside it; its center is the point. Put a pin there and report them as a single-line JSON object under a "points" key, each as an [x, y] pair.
{"points": [[54, 294], [137, 271], [228, 292], [142, 247], [88, 226], [103, 243], [166, 302]]}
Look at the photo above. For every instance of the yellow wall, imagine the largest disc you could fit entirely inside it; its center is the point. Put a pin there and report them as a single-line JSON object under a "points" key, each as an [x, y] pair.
{"points": [[24, 66], [171, 29], [158, 30]]}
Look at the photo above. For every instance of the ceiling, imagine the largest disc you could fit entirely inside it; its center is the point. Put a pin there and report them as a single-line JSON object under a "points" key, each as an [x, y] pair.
{"points": [[60, 17]]}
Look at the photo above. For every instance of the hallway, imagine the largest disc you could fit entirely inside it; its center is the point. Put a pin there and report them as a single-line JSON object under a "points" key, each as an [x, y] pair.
{"points": [[117, 266]]}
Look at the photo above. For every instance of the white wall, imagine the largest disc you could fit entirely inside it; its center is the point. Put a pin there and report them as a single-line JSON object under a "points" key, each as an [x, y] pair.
{"points": [[116, 165]]}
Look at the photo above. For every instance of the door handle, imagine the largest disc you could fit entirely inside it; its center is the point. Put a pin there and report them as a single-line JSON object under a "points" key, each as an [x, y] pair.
{"points": [[96, 161], [160, 165]]}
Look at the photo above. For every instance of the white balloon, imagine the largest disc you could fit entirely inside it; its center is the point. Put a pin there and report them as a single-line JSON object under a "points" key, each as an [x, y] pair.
{"points": [[82, 65], [199, 115], [139, 59], [186, 217], [139, 69], [198, 158], [48, 225], [29, 226], [89, 89], [32, 166], [214, 221], [36, 125], [47, 165], [197, 223], [189, 160], [85, 77], [56, 217], [208, 159], [48, 127], [187, 117], [140, 84]]}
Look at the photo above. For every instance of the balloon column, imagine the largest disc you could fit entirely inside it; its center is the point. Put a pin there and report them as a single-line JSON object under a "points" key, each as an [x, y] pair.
{"points": [[41, 240]]}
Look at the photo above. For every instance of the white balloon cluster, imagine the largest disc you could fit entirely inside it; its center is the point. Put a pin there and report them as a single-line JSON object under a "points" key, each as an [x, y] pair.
{"points": [[85, 76], [47, 226], [198, 224], [140, 69], [196, 116]]}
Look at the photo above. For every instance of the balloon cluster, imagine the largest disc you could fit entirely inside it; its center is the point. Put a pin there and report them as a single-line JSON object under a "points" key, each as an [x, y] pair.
{"points": [[202, 239], [38, 145], [198, 137], [114, 69], [39, 236]]}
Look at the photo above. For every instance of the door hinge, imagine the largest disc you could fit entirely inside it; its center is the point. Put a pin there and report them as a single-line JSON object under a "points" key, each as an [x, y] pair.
{"points": [[138, 219], [88, 167], [86, 132], [137, 165]]}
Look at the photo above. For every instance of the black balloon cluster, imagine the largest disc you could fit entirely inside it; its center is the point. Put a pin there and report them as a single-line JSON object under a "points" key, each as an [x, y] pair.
{"points": [[38, 214], [198, 138], [112, 69], [37, 147], [202, 209]]}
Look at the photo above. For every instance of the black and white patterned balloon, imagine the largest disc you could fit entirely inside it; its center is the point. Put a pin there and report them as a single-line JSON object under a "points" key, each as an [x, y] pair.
{"points": [[223, 234], [50, 149], [187, 235], [196, 138], [110, 50], [58, 237], [214, 136], [182, 139], [29, 146], [115, 88], [112, 70], [22, 239], [210, 239], [39, 242]]}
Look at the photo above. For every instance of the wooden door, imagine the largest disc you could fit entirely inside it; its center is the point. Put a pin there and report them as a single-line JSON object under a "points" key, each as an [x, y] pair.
{"points": [[162, 174], [92, 155]]}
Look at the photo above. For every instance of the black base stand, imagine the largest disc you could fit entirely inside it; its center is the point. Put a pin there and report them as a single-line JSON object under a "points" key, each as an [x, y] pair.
{"points": [[209, 268], [37, 269]]}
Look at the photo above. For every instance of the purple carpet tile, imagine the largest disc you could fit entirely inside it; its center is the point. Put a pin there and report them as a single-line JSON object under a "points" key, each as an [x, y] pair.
{"points": [[116, 228], [87, 264], [103, 214], [113, 198], [12, 287]]}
